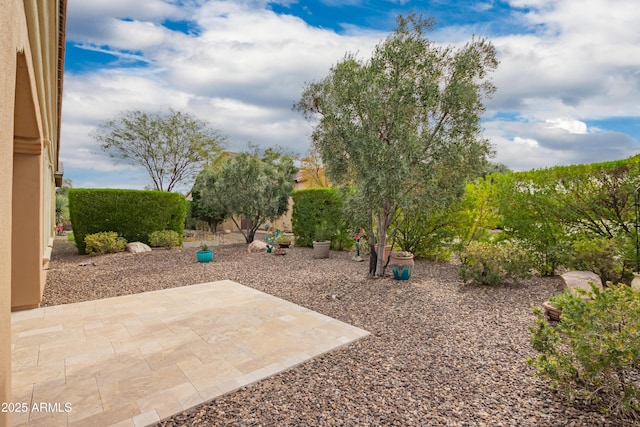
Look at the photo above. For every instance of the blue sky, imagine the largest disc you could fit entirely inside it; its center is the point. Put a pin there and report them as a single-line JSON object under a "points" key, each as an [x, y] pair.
{"points": [[568, 83]]}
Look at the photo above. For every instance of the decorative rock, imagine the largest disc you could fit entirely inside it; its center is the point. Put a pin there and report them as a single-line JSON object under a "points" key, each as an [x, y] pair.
{"points": [[551, 311], [137, 247], [635, 283], [580, 280], [257, 246]]}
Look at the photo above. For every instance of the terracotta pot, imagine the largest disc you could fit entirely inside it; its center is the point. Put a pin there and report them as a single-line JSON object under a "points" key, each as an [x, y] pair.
{"points": [[387, 252], [402, 267]]}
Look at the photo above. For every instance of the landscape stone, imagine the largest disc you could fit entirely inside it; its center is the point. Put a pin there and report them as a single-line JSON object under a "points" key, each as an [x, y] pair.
{"points": [[137, 247], [580, 280], [257, 246]]}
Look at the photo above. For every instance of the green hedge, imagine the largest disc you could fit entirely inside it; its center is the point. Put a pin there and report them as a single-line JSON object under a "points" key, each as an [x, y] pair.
{"points": [[133, 214], [312, 208]]}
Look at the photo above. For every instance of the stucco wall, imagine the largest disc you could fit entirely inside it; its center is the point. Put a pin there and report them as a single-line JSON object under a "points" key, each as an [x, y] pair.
{"points": [[14, 36], [28, 124]]}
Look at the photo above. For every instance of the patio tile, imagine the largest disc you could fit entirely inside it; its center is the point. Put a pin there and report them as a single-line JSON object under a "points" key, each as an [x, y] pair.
{"points": [[136, 359]]}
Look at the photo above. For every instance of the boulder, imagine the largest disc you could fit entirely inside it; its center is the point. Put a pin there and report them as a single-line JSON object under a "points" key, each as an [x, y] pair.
{"points": [[137, 247], [580, 280], [257, 246]]}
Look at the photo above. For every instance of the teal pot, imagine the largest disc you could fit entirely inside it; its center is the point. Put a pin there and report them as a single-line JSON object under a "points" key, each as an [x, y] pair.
{"points": [[401, 267], [205, 256]]}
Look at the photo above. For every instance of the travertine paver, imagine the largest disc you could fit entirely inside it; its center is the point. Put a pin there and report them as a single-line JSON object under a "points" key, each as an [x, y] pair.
{"points": [[135, 359]]}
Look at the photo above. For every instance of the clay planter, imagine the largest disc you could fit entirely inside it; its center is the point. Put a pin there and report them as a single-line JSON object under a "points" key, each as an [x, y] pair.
{"points": [[387, 252], [205, 256], [401, 267], [284, 244], [321, 248]]}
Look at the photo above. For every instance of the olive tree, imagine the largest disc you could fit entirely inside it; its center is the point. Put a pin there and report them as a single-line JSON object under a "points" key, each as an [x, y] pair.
{"points": [[172, 146], [250, 186], [403, 125]]}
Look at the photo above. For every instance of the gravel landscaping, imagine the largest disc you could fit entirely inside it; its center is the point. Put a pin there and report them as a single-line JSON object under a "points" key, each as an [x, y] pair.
{"points": [[440, 352]]}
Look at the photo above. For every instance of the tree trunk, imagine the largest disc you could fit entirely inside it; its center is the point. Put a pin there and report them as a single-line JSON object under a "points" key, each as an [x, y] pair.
{"points": [[373, 258]]}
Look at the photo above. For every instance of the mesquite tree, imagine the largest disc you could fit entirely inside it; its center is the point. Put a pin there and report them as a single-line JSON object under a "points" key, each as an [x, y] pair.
{"points": [[171, 146], [403, 125]]}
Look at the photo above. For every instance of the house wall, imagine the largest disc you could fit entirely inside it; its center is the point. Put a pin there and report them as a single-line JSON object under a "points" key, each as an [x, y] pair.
{"points": [[29, 123]]}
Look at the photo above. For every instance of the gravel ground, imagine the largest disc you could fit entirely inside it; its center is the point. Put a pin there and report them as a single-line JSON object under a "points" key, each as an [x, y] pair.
{"points": [[440, 353]]}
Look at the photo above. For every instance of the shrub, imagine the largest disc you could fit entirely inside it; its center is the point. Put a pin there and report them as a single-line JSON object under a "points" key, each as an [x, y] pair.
{"points": [[104, 242], [315, 208], [601, 255], [594, 352], [494, 263], [133, 214], [164, 239]]}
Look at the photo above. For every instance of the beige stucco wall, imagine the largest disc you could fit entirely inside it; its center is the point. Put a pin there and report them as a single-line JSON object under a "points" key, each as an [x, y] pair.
{"points": [[29, 117]]}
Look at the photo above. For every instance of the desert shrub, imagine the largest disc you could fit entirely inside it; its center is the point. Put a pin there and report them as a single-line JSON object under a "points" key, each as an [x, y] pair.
{"points": [[164, 239], [104, 242], [601, 255], [593, 353], [490, 263]]}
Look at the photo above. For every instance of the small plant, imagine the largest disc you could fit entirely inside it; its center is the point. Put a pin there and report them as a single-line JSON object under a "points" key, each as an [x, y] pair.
{"points": [[70, 236], [104, 242], [283, 238], [204, 247], [494, 263], [272, 236], [594, 351], [164, 239], [402, 254], [323, 232]]}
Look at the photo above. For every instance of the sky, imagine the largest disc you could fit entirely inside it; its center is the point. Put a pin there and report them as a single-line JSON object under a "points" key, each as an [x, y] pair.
{"points": [[568, 82]]}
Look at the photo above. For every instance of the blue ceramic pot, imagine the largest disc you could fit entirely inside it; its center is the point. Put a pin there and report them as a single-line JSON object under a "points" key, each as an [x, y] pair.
{"points": [[205, 256]]}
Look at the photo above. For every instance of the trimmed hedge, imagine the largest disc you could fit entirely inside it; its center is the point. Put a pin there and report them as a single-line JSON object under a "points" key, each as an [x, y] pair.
{"points": [[313, 207], [133, 214]]}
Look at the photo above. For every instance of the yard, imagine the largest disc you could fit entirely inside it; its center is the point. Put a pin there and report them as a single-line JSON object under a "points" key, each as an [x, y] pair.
{"points": [[439, 353]]}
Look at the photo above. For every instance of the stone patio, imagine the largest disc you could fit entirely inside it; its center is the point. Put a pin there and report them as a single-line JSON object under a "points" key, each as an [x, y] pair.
{"points": [[134, 360]]}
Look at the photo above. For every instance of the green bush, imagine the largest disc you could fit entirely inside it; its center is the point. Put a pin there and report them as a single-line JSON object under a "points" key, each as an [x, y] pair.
{"points": [[594, 351], [317, 208], [486, 263], [104, 242], [602, 256], [164, 239], [133, 214]]}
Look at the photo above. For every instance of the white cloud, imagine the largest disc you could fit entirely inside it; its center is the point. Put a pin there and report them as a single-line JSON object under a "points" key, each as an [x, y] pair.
{"points": [[244, 66], [571, 126]]}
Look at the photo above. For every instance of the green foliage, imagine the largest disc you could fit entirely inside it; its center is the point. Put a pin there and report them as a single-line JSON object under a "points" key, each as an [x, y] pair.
{"points": [[253, 186], [477, 214], [594, 351], [403, 125], [164, 239], [207, 205], [133, 214], [172, 146], [601, 255], [62, 209], [549, 208], [487, 263], [426, 234], [104, 242], [70, 237], [317, 214]]}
